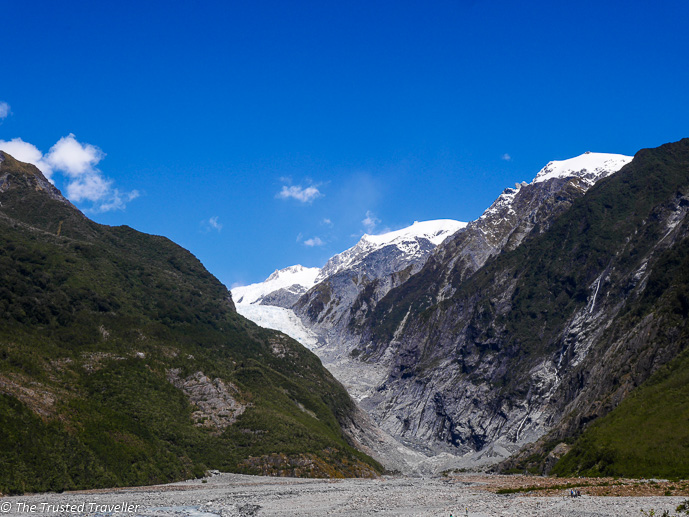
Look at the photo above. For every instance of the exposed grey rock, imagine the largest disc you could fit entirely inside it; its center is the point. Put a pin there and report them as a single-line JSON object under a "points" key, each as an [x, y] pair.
{"points": [[441, 382], [458, 381], [285, 297], [337, 304], [439, 379], [215, 399], [36, 178]]}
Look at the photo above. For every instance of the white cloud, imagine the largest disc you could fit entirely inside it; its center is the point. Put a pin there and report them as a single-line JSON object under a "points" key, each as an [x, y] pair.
{"points": [[73, 158], [370, 221], [304, 195], [26, 152], [77, 163], [115, 200], [88, 187], [327, 222], [211, 224], [314, 241], [213, 221], [507, 157], [4, 111]]}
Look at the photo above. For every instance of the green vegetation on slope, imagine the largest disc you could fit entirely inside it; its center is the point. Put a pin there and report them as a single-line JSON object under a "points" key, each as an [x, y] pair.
{"points": [[647, 435], [94, 319]]}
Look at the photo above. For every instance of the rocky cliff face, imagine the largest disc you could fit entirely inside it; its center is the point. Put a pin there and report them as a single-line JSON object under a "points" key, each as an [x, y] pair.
{"points": [[351, 284], [346, 315], [358, 278], [353, 281], [331, 301], [535, 318], [517, 213], [440, 351]]}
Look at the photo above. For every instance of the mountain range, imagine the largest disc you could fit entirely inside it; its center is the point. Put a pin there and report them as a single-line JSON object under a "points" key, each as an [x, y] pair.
{"points": [[547, 336], [516, 336]]}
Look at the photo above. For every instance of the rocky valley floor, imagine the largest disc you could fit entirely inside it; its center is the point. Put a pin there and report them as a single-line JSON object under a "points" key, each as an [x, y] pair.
{"points": [[230, 495]]}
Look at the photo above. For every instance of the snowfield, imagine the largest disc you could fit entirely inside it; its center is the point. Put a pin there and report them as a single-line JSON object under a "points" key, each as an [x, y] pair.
{"points": [[279, 318]]}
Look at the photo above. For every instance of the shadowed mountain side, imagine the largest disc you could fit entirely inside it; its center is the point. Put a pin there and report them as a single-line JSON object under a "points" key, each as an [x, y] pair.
{"points": [[124, 362]]}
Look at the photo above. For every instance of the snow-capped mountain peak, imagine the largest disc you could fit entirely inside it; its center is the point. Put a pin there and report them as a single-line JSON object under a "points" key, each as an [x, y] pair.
{"points": [[290, 273], [435, 231], [589, 166], [298, 279], [407, 239]]}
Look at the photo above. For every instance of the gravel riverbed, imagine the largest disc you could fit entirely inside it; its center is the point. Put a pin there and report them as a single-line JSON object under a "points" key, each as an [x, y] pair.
{"points": [[230, 495]]}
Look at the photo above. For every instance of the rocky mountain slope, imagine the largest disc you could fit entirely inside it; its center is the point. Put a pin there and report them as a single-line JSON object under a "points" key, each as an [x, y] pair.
{"points": [[341, 308], [541, 321], [124, 361], [319, 306], [353, 282], [531, 323]]}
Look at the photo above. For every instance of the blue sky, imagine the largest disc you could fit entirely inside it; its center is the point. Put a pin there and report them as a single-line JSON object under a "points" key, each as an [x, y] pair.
{"points": [[264, 134]]}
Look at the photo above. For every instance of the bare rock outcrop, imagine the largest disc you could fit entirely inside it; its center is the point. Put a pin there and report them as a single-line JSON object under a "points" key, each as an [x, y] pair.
{"points": [[216, 401]]}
